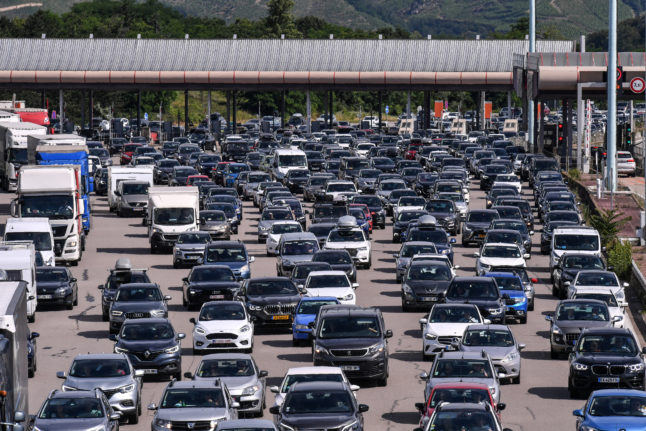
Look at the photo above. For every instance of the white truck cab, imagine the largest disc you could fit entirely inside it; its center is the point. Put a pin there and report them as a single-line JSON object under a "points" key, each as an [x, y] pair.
{"points": [[34, 229], [18, 260], [171, 211], [574, 239], [285, 160]]}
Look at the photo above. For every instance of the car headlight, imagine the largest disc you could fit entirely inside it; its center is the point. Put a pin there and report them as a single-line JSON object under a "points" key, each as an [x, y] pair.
{"points": [[163, 423], [377, 348], [244, 268], [264, 228], [250, 390], [348, 297], [519, 300], [120, 350], [245, 328], [127, 388], [72, 244], [301, 326], [173, 349], [407, 289], [495, 310], [485, 266], [199, 330], [351, 426], [254, 307], [636, 367], [61, 290], [579, 366], [363, 249], [445, 251], [68, 388], [430, 336], [157, 313], [321, 350], [510, 357], [556, 330], [116, 313]]}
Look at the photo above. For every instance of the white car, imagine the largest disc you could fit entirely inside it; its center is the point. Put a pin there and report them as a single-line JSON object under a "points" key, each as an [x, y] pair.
{"points": [[363, 148], [408, 203], [597, 279], [309, 374], [508, 180], [340, 190], [445, 325], [277, 230], [222, 325], [331, 283], [615, 307], [352, 239], [494, 255]]}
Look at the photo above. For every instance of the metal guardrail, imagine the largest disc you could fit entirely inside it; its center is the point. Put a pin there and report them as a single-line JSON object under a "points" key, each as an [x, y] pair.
{"points": [[639, 279]]}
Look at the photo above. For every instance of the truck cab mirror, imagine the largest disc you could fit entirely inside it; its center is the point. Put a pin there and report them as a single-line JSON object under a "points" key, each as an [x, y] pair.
{"points": [[19, 416], [14, 208]]}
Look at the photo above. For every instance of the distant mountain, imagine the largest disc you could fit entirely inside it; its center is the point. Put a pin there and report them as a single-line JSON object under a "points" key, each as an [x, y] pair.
{"points": [[568, 18]]}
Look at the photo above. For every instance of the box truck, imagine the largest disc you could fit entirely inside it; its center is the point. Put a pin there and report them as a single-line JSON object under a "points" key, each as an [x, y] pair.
{"points": [[13, 149], [34, 229], [18, 261], [170, 212], [116, 174]]}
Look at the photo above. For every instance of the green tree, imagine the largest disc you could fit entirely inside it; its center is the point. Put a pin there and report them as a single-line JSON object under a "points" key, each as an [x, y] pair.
{"points": [[608, 223], [280, 19]]}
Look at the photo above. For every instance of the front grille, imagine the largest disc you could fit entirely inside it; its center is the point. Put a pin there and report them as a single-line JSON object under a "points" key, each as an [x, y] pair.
{"points": [[222, 335], [221, 346], [279, 308], [137, 315], [353, 251], [572, 337], [195, 426], [170, 236], [617, 370], [151, 355], [59, 245], [59, 230], [510, 301], [448, 340], [109, 392], [349, 352], [600, 370]]}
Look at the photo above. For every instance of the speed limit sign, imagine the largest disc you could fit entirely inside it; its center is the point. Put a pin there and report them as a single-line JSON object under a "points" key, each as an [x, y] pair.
{"points": [[637, 85]]}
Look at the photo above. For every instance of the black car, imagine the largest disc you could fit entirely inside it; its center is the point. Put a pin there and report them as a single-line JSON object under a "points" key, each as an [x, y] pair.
{"points": [[476, 225], [315, 160], [321, 231], [374, 206], [328, 212], [121, 274], [510, 192], [271, 300], [489, 174], [404, 220], [116, 145], [446, 214], [152, 345], [314, 189], [101, 181], [169, 149], [525, 210], [206, 162], [480, 291], [163, 169], [302, 270], [296, 179], [253, 160], [605, 358], [425, 182], [353, 338], [56, 285], [208, 283], [137, 301], [179, 175], [320, 405], [339, 260], [569, 266], [425, 284]]}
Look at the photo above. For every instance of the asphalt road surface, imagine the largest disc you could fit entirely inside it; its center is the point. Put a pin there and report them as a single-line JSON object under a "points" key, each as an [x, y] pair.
{"points": [[540, 402]]}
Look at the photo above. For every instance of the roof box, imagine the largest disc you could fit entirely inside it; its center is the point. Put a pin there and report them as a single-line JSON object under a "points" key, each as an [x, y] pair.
{"points": [[427, 221], [123, 264], [347, 222]]}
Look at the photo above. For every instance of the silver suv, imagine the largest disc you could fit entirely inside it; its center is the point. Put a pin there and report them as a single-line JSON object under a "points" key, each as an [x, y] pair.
{"points": [[76, 411], [114, 375], [193, 405]]}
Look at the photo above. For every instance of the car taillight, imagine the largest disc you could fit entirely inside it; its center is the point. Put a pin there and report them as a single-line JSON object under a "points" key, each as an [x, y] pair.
{"points": [[631, 160]]}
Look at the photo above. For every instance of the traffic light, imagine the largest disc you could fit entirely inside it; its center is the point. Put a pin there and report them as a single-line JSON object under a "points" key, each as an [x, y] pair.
{"points": [[629, 135], [560, 133]]}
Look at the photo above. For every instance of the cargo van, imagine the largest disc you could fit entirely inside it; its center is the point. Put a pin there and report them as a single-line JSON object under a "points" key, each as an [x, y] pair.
{"points": [[18, 260], [116, 174], [34, 229], [574, 239]]}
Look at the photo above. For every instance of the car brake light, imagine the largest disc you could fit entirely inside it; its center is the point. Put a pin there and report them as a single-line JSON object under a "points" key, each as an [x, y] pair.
{"points": [[631, 160], [534, 280]]}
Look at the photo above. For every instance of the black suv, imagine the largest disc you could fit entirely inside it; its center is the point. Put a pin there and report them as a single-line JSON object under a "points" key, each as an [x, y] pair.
{"points": [[354, 339], [483, 292], [56, 285], [476, 225], [326, 405], [605, 358], [208, 283], [122, 273], [271, 300], [137, 301]]}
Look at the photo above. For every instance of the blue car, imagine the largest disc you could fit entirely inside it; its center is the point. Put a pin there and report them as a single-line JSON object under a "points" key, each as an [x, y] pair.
{"points": [[305, 313], [513, 292], [613, 409], [232, 171], [232, 254]]}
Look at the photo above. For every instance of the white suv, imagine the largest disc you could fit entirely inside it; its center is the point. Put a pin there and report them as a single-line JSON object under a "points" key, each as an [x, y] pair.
{"points": [[222, 325], [331, 283], [349, 236]]}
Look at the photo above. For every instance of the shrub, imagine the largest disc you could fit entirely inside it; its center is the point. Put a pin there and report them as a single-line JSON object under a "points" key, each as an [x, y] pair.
{"points": [[620, 256], [574, 173], [608, 224]]}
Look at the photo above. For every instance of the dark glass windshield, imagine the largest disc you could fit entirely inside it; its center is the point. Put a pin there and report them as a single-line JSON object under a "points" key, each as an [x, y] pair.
{"points": [[501, 251], [49, 275], [318, 402], [300, 247], [225, 254], [440, 206], [608, 344], [226, 368], [146, 331], [488, 338], [582, 311], [458, 395], [582, 262], [411, 250], [193, 238], [509, 283], [608, 279], [324, 281], [472, 290], [271, 288], [72, 408], [211, 274], [55, 207], [481, 217], [312, 307], [350, 327], [98, 368], [346, 236], [576, 242], [192, 398], [315, 377], [410, 215], [436, 236], [42, 240], [277, 214], [454, 315], [174, 216], [469, 368], [429, 272], [618, 405], [138, 294], [222, 312]]}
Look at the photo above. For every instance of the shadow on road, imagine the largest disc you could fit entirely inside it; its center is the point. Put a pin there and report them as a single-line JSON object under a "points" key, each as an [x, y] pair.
{"points": [[94, 334], [405, 418], [407, 356], [296, 357], [124, 250], [550, 393], [278, 343], [535, 355], [391, 294]]}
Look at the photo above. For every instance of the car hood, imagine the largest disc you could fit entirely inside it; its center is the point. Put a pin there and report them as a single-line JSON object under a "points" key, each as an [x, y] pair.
{"points": [[476, 225], [489, 381], [214, 285], [428, 286], [577, 325], [338, 292], [138, 306], [303, 319], [447, 329], [324, 421], [213, 224], [222, 326], [237, 384], [273, 299], [297, 258], [50, 285], [143, 345], [348, 343], [68, 424], [344, 244], [345, 267], [136, 198], [495, 353], [601, 358], [442, 214], [191, 414], [503, 261], [105, 383], [191, 247]]}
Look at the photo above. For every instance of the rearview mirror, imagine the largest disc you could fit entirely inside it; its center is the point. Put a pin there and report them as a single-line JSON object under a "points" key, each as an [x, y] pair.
{"points": [[115, 416], [167, 298], [388, 333], [548, 318], [188, 375], [476, 254], [354, 388], [274, 389], [527, 256], [423, 375], [420, 407], [152, 406], [192, 320], [578, 412], [521, 347], [453, 241], [263, 373], [456, 267], [274, 410], [61, 374], [355, 285], [486, 321], [101, 287], [626, 284], [567, 283], [501, 406], [181, 336], [363, 408], [423, 321]]}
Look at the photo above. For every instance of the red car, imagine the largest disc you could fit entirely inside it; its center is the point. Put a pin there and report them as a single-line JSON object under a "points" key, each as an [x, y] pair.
{"points": [[414, 146], [192, 179], [127, 152], [366, 211], [457, 392]]}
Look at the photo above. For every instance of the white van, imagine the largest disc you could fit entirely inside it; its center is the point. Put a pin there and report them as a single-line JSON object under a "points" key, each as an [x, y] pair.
{"points": [[18, 260], [34, 229], [574, 239], [116, 174], [286, 160]]}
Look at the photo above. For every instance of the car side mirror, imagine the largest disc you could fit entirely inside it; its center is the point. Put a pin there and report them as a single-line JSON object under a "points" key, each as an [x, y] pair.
{"points": [[185, 279], [531, 232], [167, 297], [113, 337], [527, 256], [101, 287], [534, 280], [117, 193], [139, 373], [521, 347], [115, 416], [263, 373], [73, 280], [501, 406], [549, 318], [626, 284], [423, 375], [274, 389], [34, 335], [61, 374], [311, 325], [388, 333], [456, 267], [578, 412], [420, 407], [152, 406], [189, 375], [486, 321], [19, 416], [476, 254], [355, 285], [623, 304], [567, 283], [274, 410], [354, 388], [181, 336], [252, 259], [453, 241], [144, 221], [617, 319], [363, 408], [193, 321]]}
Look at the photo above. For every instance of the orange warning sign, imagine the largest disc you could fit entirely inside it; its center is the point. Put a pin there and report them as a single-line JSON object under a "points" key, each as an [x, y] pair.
{"points": [[488, 108], [439, 106]]}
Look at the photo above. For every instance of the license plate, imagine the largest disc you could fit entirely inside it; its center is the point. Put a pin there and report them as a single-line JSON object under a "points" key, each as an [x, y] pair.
{"points": [[350, 367], [222, 341], [45, 296], [216, 296], [608, 380], [137, 209], [429, 298], [193, 256], [280, 317], [150, 371]]}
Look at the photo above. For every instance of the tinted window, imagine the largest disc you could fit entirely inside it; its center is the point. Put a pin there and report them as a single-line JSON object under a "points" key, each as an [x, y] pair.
{"points": [[192, 398], [138, 294], [211, 274], [350, 327], [225, 254], [271, 288], [99, 368], [226, 368]]}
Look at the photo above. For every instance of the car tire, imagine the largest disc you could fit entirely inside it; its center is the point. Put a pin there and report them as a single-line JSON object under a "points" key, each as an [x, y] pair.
{"points": [[553, 354], [69, 305], [464, 244], [177, 376], [175, 265], [104, 317], [523, 320], [133, 418], [31, 371], [383, 381], [406, 308], [32, 318], [515, 380], [530, 306], [398, 279], [555, 291]]}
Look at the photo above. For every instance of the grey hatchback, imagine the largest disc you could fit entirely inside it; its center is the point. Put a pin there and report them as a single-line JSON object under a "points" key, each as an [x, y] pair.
{"points": [[76, 411]]}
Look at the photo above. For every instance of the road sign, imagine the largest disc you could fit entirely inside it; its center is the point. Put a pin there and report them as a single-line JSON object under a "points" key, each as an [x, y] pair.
{"points": [[637, 85], [146, 116], [620, 73], [387, 109]]}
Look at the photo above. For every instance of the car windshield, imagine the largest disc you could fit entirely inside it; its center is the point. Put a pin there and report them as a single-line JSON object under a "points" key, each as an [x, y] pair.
{"points": [[412, 250], [212, 216], [607, 279], [503, 237], [570, 216], [350, 327], [458, 395], [481, 217], [440, 206], [345, 236], [225, 254], [583, 311], [392, 185], [410, 215], [193, 238], [341, 187], [292, 160], [427, 235], [312, 307], [258, 178], [618, 405], [42, 240], [334, 258], [72, 408], [146, 331], [488, 338], [228, 209], [476, 289], [226, 368], [134, 188], [214, 311], [576, 242], [318, 402], [99, 368], [52, 206], [274, 287], [369, 173], [456, 368], [608, 344], [328, 281], [51, 274], [117, 278], [509, 283], [300, 247], [280, 228], [411, 201], [276, 214], [371, 201], [501, 251], [454, 315], [138, 294], [175, 398], [517, 225], [212, 274], [168, 163], [429, 272], [314, 377], [174, 216]]}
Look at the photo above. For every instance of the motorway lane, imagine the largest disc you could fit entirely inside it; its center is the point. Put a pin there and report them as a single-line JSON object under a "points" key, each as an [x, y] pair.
{"points": [[539, 402]]}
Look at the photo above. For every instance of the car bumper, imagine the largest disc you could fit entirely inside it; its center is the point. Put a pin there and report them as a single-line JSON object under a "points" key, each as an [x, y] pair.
{"points": [[54, 298], [201, 342], [124, 403], [248, 403], [421, 301], [263, 318], [355, 368], [586, 380], [166, 364], [509, 369]]}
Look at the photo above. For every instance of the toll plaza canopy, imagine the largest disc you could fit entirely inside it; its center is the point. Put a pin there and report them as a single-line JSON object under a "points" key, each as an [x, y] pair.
{"points": [[265, 64]]}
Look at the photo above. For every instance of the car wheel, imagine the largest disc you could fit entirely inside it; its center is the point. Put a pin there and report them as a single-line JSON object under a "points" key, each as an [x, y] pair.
{"points": [[555, 291], [398, 279], [553, 354], [196, 352], [530, 306], [523, 319], [383, 381], [296, 342], [369, 264], [175, 265], [32, 318], [31, 371], [133, 419], [259, 240], [249, 350], [105, 317], [464, 243], [515, 380], [184, 302], [405, 307], [69, 305], [76, 299]]}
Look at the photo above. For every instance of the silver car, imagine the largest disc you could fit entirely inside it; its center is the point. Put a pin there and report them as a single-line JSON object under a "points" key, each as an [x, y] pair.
{"points": [[189, 248], [408, 250], [247, 425], [500, 345], [193, 405], [132, 197], [240, 374], [626, 163], [76, 411], [474, 367], [114, 375]]}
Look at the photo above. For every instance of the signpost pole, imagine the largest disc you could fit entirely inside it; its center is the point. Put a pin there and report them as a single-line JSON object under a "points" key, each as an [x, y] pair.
{"points": [[611, 172]]}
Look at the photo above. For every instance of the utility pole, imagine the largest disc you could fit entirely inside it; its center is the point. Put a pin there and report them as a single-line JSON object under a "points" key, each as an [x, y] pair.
{"points": [[532, 48], [611, 171]]}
